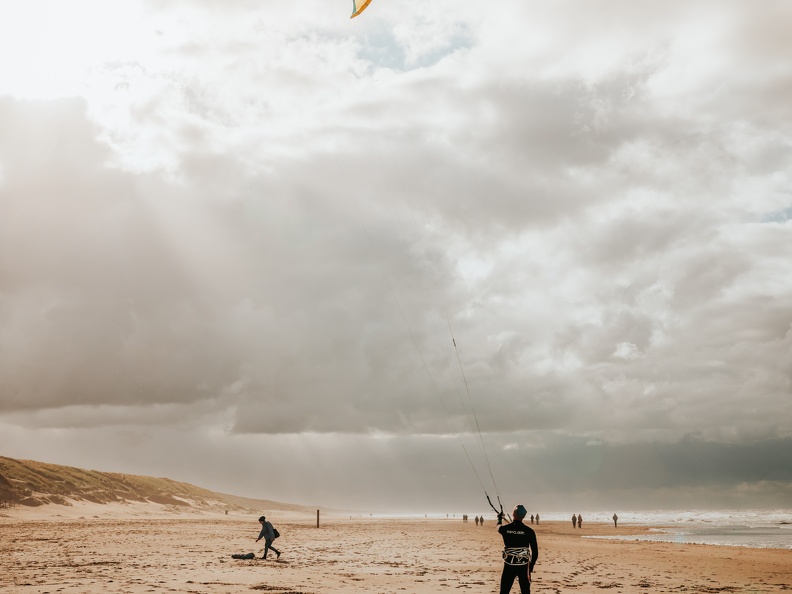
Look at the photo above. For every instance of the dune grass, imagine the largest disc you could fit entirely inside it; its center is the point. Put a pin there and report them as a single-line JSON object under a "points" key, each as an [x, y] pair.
{"points": [[26, 482]]}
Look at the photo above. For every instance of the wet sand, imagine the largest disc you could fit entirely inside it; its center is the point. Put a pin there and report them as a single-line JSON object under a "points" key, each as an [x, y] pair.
{"points": [[138, 551]]}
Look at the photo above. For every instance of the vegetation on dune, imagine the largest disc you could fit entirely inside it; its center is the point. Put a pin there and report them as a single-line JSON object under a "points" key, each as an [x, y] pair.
{"points": [[30, 483]]}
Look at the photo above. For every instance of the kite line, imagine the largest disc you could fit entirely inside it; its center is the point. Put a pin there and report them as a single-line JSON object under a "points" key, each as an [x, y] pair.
{"points": [[469, 408]]}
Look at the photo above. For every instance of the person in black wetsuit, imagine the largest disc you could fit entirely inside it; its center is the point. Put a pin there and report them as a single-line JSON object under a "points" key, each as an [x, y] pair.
{"points": [[520, 552], [268, 534]]}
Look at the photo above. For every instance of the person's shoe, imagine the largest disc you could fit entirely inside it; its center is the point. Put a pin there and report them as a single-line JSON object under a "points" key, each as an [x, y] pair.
{"points": [[264, 557], [278, 555]]}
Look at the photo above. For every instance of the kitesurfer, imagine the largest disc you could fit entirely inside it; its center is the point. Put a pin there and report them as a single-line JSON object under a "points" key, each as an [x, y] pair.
{"points": [[520, 552]]}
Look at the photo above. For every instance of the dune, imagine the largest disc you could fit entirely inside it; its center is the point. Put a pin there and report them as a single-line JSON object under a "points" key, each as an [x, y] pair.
{"points": [[31, 484]]}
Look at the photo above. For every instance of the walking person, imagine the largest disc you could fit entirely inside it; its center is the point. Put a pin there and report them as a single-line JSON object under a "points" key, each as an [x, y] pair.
{"points": [[580, 521], [615, 520], [268, 534], [574, 521], [520, 552]]}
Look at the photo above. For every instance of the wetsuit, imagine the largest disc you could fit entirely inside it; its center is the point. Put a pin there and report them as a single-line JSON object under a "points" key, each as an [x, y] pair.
{"points": [[520, 552], [268, 535]]}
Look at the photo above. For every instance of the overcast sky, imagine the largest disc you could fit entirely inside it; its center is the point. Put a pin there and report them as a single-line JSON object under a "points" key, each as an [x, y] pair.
{"points": [[238, 240]]}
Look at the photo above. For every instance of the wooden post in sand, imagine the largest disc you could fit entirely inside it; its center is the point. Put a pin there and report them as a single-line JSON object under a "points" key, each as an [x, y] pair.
{"points": [[317, 518]]}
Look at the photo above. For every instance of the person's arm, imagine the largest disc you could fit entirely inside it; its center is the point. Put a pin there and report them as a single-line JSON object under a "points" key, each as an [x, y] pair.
{"points": [[261, 534], [534, 551]]}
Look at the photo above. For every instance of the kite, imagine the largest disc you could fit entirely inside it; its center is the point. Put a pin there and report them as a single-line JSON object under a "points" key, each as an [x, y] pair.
{"points": [[359, 6]]}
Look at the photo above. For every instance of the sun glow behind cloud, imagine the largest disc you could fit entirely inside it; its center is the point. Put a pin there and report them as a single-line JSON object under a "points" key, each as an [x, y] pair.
{"points": [[58, 46]]}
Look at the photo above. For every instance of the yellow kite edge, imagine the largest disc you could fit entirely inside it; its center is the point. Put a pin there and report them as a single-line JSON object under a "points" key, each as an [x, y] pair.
{"points": [[359, 6]]}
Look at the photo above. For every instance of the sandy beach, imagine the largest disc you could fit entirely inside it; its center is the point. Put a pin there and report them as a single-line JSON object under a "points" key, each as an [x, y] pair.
{"points": [[136, 549]]}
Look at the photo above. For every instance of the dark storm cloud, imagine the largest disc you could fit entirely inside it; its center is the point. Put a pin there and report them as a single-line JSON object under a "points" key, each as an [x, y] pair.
{"points": [[96, 307], [104, 305], [651, 475]]}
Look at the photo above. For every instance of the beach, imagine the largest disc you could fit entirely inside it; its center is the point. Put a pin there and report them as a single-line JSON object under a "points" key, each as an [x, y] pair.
{"points": [[86, 549]]}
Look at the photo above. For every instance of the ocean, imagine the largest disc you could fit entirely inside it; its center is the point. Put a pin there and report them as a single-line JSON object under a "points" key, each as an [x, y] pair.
{"points": [[762, 529]]}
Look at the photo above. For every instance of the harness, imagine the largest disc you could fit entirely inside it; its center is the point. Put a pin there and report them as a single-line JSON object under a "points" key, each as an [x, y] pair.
{"points": [[517, 555]]}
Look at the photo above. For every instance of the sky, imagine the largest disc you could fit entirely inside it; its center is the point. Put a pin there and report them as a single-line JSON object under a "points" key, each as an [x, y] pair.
{"points": [[540, 250]]}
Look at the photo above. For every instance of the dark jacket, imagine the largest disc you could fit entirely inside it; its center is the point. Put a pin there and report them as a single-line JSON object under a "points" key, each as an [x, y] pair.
{"points": [[518, 535]]}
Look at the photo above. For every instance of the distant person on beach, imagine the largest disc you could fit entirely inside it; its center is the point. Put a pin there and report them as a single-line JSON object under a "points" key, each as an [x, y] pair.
{"points": [[574, 521], [537, 518], [520, 552], [615, 520], [476, 518], [580, 521], [268, 534], [531, 518]]}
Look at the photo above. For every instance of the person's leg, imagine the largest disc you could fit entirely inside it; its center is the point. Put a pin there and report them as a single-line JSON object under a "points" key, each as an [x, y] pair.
{"points": [[507, 579], [267, 544], [269, 547], [522, 576]]}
